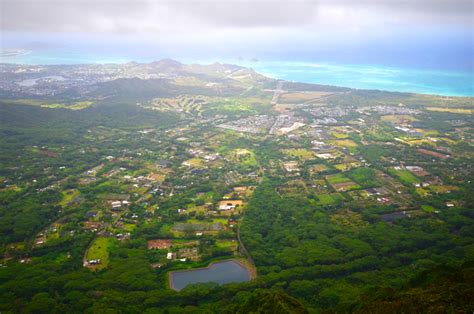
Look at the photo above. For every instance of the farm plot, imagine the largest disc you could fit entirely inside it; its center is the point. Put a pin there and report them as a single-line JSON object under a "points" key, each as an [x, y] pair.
{"points": [[344, 143], [329, 199], [318, 168], [341, 183], [404, 176], [302, 154]]}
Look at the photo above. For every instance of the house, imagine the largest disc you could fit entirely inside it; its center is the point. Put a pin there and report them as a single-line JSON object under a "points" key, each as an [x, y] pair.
{"points": [[291, 166], [372, 191], [326, 156], [94, 261], [92, 225], [170, 256], [240, 189], [91, 214], [229, 204], [159, 244], [116, 204]]}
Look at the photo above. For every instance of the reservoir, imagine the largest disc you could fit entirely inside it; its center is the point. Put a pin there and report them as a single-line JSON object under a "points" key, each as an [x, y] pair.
{"points": [[33, 81], [220, 272]]}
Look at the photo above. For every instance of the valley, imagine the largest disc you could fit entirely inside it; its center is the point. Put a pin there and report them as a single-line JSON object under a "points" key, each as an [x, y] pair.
{"points": [[115, 177]]}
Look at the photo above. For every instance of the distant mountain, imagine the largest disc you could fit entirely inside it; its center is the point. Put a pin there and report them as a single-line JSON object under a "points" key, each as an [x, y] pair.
{"points": [[129, 81]]}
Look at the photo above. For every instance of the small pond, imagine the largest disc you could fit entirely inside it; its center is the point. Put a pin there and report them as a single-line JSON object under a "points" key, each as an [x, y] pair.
{"points": [[220, 272]]}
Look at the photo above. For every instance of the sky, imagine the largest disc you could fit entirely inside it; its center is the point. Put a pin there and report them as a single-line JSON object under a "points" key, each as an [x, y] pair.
{"points": [[415, 33]]}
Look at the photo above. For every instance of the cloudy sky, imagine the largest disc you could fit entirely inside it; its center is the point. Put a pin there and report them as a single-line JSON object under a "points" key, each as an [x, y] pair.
{"points": [[425, 33]]}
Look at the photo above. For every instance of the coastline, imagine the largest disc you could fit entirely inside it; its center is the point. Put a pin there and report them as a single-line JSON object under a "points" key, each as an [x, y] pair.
{"points": [[373, 77]]}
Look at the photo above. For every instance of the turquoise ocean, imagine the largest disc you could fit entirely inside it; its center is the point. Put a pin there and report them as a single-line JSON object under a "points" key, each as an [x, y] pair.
{"points": [[423, 81]]}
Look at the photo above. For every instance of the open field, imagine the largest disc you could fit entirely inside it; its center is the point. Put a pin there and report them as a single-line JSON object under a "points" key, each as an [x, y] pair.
{"points": [[185, 104], [432, 153], [337, 178], [347, 166], [79, 105], [428, 208], [302, 97], [399, 118], [344, 143], [341, 183], [405, 176], [244, 156], [303, 154], [329, 199], [318, 168], [74, 106], [68, 196], [99, 249], [451, 110], [339, 135], [283, 108], [194, 162], [364, 176]]}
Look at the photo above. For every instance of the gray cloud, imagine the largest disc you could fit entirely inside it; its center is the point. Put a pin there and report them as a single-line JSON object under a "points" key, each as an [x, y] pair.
{"points": [[147, 16]]}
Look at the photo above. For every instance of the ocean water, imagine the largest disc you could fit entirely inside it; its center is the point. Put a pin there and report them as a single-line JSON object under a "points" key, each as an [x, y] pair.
{"points": [[423, 81], [360, 76]]}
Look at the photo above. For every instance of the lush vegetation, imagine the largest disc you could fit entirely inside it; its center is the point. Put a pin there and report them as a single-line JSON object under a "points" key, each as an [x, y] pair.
{"points": [[346, 207]]}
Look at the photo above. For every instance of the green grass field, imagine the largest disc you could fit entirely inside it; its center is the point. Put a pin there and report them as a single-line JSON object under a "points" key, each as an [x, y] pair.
{"points": [[244, 156], [404, 176], [44, 104], [195, 162], [100, 250], [337, 178], [363, 176], [329, 199], [75, 106], [227, 244], [339, 135], [303, 154], [68, 196], [344, 143], [428, 208]]}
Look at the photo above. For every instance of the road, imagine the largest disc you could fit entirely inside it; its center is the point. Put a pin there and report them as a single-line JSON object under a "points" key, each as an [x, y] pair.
{"points": [[277, 92], [242, 250]]}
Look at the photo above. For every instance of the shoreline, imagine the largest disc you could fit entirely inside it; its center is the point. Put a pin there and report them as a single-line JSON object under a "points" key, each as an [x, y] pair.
{"points": [[332, 74]]}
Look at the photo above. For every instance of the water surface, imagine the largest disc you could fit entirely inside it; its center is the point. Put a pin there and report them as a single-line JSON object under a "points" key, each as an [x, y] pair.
{"points": [[220, 272], [34, 81], [422, 81]]}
